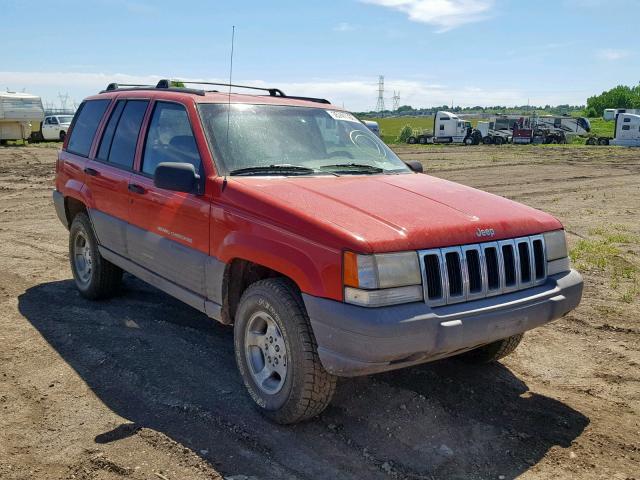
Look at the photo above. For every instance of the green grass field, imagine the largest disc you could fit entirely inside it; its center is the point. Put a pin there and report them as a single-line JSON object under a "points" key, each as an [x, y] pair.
{"points": [[390, 127]]}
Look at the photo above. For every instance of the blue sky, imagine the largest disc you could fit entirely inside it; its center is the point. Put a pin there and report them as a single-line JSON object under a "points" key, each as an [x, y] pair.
{"points": [[471, 52]]}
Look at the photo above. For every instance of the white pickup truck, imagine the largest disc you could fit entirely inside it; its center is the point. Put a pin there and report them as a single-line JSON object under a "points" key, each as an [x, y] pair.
{"points": [[55, 127]]}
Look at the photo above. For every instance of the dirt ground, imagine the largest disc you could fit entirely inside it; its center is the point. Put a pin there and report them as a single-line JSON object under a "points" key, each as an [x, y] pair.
{"points": [[144, 387]]}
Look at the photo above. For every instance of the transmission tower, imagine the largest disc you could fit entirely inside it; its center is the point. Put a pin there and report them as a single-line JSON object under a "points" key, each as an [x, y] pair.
{"points": [[396, 100], [380, 105], [64, 98]]}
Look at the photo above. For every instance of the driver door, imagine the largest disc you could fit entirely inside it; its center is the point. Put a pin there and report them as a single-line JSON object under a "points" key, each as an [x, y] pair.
{"points": [[168, 232]]}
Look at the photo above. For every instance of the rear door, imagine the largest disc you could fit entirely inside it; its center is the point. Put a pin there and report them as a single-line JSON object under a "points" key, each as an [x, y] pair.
{"points": [[108, 174], [168, 231]]}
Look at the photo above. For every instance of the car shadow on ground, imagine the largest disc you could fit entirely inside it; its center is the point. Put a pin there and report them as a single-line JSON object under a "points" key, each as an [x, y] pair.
{"points": [[164, 366]]}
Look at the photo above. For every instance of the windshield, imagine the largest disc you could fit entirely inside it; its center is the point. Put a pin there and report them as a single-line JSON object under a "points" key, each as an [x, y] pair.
{"points": [[321, 141], [65, 118]]}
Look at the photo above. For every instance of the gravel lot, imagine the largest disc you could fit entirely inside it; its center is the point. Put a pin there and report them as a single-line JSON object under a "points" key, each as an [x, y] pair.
{"points": [[144, 387]]}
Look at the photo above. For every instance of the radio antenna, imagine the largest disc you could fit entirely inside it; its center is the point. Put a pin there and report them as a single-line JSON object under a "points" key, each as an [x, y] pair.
{"points": [[233, 37]]}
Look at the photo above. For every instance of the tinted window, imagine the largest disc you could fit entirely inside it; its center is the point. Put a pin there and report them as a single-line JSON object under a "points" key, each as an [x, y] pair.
{"points": [[627, 120], [85, 126], [170, 138], [125, 138], [626, 127], [107, 136]]}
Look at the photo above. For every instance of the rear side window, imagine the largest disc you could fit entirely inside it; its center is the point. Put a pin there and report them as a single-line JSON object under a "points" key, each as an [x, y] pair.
{"points": [[170, 138], [85, 126], [119, 141]]}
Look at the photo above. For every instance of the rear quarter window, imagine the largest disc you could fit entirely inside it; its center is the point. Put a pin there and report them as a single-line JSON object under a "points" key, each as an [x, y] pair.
{"points": [[85, 126]]}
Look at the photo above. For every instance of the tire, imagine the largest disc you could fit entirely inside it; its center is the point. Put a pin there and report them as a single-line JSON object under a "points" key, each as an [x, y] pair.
{"points": [[487, 140], [603, 141], [411, 140], [592, 141], [95, 277], [468, 141], [283, 375], [493, 351], [422, 140], [498, 140], [63, 134]]}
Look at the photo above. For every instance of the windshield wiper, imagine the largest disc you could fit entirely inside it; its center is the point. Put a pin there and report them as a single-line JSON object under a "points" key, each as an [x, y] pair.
{"points": [[352, 168], [273, 169]]}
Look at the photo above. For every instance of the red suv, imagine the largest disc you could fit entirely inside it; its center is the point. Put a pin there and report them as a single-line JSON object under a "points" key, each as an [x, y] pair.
{"points": [[288, 218]]}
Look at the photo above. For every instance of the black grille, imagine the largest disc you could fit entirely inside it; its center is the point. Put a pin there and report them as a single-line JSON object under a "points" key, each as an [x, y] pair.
{"points": [[509, 262], [493, 268], [454, 272], [525, 262], [474, 270], [434, 281], [539, 260]]}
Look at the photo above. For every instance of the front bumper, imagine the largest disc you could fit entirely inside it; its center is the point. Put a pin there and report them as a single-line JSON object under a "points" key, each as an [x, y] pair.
{"points": [[356, 340]]}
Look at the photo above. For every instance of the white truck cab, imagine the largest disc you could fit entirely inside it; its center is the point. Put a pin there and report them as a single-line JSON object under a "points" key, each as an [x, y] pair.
{"points": [[627, 130], [55, 127], [449, 128]]}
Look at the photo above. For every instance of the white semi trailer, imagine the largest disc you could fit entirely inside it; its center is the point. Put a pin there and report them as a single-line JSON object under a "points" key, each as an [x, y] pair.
{"points": [[18, 113], [610, 113]]}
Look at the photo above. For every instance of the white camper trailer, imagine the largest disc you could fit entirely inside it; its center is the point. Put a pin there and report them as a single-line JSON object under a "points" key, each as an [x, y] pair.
{"points": [[19, 112], [610, 113]]}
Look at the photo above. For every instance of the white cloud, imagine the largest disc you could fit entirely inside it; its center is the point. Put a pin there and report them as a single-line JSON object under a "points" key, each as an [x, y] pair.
{"points": [[356, 94], [612, 54], [444, 14], [344, 27]]}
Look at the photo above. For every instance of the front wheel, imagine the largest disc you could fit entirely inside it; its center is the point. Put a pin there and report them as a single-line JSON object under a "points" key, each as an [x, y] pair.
{"points": [[95, 277], [493, 351], [276, 353]]}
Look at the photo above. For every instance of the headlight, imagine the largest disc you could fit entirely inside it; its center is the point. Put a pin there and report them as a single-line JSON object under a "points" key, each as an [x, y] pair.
{"points": [[382, 279], [557, 254], [556, 243]]}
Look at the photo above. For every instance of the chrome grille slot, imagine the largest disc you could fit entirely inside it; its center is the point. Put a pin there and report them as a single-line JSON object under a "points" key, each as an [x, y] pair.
{"points": [[457, 274], [454, 272], [434, 283]]}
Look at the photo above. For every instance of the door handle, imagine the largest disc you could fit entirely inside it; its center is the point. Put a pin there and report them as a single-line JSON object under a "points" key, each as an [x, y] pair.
{"points": [[137, 189], [91, 171]]}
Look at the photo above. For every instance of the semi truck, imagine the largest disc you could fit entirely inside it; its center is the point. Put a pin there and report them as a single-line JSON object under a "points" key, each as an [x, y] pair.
{"points": [[448, 128], [626, 131], [19, 112]]}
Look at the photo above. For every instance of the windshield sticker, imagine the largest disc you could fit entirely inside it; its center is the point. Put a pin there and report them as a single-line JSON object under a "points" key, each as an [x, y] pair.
{"points": [[339, 115]]}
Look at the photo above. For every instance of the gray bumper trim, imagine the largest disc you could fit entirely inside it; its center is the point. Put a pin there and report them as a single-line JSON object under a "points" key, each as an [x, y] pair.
{"points": [[356, 341], [58, 202]]}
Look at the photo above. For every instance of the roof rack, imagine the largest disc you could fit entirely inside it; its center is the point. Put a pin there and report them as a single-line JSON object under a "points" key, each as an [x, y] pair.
{"points": [[169, 85]]}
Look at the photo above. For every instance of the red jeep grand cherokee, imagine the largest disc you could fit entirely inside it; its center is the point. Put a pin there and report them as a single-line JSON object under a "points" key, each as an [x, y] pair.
{"points": [[288, 218]]}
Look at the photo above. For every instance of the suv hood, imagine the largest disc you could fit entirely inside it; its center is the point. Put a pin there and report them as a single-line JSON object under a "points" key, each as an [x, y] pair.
{"points": [[384, 213]]}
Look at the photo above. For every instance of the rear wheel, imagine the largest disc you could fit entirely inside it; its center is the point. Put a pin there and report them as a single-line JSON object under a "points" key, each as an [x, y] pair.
{"points": [[603, 141], [411, 140], [276, 353], [498, 140], [493, 351], [487, 140], [592, 141], [94, 276], [422, 140]]}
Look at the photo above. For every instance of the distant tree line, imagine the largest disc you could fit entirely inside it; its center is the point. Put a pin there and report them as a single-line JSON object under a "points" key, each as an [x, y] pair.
{"points": [[408, 110], [618, 97]]}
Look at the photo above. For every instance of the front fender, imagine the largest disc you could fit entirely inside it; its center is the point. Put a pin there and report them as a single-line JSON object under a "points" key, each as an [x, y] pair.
{"points": [[316, 269]]}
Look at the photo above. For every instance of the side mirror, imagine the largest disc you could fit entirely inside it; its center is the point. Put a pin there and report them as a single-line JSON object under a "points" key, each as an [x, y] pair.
{"points": [[179, 177], [415, 165]]}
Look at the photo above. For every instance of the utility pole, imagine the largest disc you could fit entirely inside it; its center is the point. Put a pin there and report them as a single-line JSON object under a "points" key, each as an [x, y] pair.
{"points": [[380, 105], [396, 100]]}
